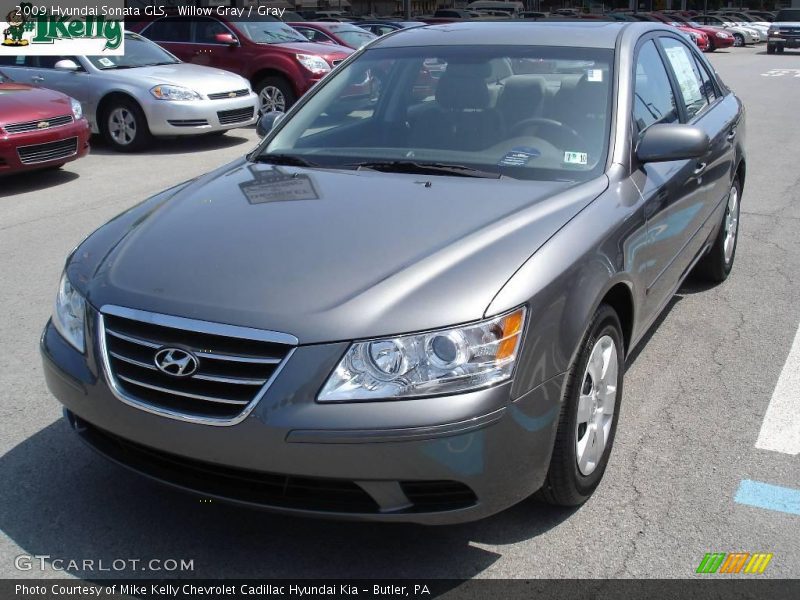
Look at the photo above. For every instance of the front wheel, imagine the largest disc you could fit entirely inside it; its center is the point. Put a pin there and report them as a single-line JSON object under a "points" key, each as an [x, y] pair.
{"points": [[717, 264], [738, 40], [589, 413], [275, 94], [124, 126]]}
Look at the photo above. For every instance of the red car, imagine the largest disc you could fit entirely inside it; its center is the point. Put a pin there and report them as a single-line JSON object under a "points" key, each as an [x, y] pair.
{"points": [[343, 34], [39, 128], [717, 37], [280, 63], [700, 38]]}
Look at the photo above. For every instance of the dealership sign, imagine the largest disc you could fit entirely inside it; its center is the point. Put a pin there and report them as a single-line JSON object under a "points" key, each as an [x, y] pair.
{"points": [[35, 29]]}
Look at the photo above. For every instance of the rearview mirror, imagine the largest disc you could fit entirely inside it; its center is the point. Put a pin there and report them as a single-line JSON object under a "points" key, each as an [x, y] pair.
{"points": [[268, 121], [226, 38], [67, 64], [673, 141]]}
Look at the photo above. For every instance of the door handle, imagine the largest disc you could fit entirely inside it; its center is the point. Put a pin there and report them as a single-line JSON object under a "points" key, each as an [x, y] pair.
{"points": [[731, 136], [700, 168], [37, 78]]}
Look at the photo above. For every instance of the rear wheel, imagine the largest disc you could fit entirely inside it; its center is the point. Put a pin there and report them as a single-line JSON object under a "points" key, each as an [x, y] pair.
{"points": [[717, 264], [275, 94], [589, 413]]}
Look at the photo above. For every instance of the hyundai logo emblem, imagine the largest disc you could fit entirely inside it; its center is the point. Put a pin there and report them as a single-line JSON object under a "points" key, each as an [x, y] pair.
{"points": [[176, 362]]}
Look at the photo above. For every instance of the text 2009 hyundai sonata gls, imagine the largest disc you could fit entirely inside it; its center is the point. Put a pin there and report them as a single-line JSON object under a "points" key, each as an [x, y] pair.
{"points": [[420, 309]]}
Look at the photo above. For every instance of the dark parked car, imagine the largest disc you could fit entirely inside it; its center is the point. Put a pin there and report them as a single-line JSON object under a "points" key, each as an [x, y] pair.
{"points": [[279, 62], [784, 31], [39, 128], [420, 310]]}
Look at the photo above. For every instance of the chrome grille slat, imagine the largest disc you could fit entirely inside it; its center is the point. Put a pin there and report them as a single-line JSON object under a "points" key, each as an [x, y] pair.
{"points": [[158, 388], [230, 94], [37, 153], [233, 369], [34, 125]]}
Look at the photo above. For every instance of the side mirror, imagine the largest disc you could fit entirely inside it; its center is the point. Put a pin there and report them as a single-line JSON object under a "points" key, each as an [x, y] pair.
{"points": [[67, 64], [664, 142], [226, 38], [268, 121]]}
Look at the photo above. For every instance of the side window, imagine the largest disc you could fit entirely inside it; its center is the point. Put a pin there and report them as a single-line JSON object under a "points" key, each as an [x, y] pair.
{"points": [[653, 101], [205, 31], [15, 61], [171, 29], [689, 81], [49, 62], [709, 89]]}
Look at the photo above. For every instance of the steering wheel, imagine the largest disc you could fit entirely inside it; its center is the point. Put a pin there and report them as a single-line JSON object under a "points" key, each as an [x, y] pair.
{"points": [[556, 129]]}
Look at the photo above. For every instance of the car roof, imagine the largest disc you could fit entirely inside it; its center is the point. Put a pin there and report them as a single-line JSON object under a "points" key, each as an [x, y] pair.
{"points": [[590, 34]]}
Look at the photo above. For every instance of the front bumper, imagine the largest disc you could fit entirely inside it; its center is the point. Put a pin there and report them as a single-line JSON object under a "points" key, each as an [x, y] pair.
{"points": [[194, 117], [786, 42], [10, 157], [433, 461]]}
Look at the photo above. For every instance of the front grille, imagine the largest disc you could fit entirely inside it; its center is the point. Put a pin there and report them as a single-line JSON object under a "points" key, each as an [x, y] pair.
{"points": [[188, 122], [226, 117], [232, 371], [39, 153], [231, 94], [266, 489], [38, 125], [435, 496]]}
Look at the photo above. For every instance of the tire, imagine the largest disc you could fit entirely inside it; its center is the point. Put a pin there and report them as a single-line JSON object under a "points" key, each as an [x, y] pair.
{"points": [[738, 40], [585, 410], [716, 265], [780, 49], [124, 126], [770, 49], [275, 93], [711, 45]]}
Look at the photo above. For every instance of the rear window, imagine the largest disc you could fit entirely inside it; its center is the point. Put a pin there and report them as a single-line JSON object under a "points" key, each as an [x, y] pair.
{"points": [[788, 14]]}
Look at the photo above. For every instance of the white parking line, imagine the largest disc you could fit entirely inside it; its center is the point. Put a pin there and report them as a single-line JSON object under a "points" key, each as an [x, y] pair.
{"points": [[780, 430]]}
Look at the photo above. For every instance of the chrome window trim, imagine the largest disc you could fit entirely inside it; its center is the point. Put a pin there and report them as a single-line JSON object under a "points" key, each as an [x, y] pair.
{"points": [[191, 325]]}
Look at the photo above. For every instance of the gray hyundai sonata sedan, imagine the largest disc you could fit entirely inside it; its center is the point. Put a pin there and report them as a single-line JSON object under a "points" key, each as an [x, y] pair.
{"points": [[415, 305]]}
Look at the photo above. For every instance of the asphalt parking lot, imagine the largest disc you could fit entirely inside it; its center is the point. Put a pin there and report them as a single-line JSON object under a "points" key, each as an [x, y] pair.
{"points": [[695, 399]]}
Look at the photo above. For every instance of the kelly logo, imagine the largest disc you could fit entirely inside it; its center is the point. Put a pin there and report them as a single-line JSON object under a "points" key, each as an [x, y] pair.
{"points": [[734, 563], [33, 30]]}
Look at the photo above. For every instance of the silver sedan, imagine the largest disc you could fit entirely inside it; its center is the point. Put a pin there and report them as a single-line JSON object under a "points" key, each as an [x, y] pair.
{"points": [[144, 93]]}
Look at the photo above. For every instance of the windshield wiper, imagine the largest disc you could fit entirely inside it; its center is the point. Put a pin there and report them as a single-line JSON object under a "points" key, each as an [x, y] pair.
{"points": [[410, 166], [284, 159]]}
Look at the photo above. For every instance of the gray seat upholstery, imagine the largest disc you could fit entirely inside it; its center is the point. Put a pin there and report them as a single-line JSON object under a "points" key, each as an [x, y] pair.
{"points": [[522, 98], [463, 118]]}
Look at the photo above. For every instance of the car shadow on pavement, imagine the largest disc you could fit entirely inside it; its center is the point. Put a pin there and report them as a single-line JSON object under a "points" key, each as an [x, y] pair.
{"points": [[35, 181], [62, 500], [176, 145]]}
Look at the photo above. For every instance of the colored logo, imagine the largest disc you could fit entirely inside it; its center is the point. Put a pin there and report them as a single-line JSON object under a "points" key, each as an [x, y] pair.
{"points": [[734, 562]]}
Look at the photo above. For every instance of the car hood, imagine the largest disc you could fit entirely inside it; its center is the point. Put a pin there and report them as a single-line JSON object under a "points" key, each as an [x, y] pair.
{"points": [[324, 255], [20, 103], [206, 80], [329, 52]]}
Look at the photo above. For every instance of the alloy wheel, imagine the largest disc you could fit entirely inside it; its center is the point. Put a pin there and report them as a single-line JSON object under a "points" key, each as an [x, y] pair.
{"points": [[122, 126], [272, 99], [598, 397], [731, 224]]}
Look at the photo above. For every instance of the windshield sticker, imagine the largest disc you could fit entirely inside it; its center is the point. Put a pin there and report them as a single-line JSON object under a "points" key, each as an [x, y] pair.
{"points": [[519, 157], [576, 158], [106, 62], [594, 75]]}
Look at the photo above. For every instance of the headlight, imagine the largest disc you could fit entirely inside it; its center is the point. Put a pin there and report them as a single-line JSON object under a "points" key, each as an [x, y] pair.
{"points": [[174, 92], [722, 35], [315, 64], [451, 360], [77, 111], [69, 314]]}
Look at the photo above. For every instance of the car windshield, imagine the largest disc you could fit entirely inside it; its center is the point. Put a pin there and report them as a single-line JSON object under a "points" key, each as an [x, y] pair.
{"points": [[693, 24], [269, 32], [519, 111], [355, 37], [139, 52]]}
